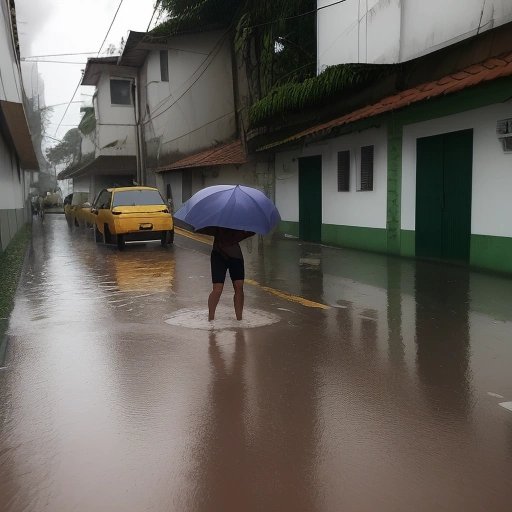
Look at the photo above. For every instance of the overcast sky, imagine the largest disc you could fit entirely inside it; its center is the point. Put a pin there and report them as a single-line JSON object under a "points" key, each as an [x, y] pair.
{"points": [[69, 26]]}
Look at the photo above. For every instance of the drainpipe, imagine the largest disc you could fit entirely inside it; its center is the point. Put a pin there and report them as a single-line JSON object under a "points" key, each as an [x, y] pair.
{"points": [[141, 177]]}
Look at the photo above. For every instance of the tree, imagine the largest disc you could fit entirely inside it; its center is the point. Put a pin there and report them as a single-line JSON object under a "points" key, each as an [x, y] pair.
{"points": [[68, 150], [276, 39]]}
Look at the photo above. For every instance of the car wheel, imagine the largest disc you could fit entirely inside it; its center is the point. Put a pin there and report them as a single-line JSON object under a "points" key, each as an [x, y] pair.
{"points": [[167, 238], [120, 242], [107, 235], [98, 237]]}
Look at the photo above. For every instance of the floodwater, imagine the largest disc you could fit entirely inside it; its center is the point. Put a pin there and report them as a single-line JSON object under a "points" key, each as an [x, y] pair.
{"points": [[392, 396]]}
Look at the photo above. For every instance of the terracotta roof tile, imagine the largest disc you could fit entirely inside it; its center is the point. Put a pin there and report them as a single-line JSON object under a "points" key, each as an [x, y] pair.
{"points": [[489, 70], [473, 70], [493, 62], [232, 153], [460, 75]]}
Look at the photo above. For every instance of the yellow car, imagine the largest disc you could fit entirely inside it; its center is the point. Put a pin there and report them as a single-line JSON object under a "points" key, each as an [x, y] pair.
{"points": [[73, 205], [128, 214], [84, 216]]}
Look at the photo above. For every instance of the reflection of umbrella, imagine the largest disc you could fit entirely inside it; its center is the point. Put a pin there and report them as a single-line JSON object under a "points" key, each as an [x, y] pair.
{"points": [[230, 206]]}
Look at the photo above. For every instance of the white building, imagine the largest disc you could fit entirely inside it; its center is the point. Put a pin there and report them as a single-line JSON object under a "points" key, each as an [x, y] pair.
{"points": [[17, 156], [424, 172], [110, 145], [391, 31], [188, 120]]}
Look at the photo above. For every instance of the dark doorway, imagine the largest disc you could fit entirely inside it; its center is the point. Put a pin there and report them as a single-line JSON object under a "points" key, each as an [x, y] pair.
{"points": [[310, 198], [443, 196]]}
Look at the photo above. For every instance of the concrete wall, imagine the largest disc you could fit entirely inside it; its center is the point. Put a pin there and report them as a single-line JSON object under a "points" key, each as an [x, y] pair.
{"points": [[195, 108], [492, 168], [389, 31], [353, 208], [115, 124], [10, 89]]}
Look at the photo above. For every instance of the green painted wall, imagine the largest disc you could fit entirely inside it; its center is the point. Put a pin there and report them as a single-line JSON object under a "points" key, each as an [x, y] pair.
{"points": [[353, 237], [394, 192], [367, 239], [288, 227], [491, 252], [408, 243]]}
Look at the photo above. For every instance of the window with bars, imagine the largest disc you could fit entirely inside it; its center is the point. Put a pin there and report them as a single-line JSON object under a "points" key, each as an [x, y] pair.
{"points": [[366, 174], [343, 171], [164, 66]]}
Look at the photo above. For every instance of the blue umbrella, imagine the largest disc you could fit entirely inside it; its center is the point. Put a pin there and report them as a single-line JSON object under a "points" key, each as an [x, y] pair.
{"points": [[230, 206]]}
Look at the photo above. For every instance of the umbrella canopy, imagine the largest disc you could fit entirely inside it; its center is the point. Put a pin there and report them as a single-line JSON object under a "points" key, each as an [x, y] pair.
{"points": [[230, 206]]}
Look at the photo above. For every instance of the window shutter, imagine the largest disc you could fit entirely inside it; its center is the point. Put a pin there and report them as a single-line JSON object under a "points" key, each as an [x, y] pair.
{"points": [[343, 171], [366, 168]]}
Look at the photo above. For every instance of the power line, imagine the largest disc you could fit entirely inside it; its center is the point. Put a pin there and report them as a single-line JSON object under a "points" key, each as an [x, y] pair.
{"points": [[56, 62], [109, 28], [157, 3], [53, 138], [59, 104], [67, 108], [212, 54], [56, 55], [295, 16], [80, 81]]}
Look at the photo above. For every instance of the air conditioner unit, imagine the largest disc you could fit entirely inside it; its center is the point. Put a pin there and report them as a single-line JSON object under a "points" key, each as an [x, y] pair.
{"points": [[504, 133]]}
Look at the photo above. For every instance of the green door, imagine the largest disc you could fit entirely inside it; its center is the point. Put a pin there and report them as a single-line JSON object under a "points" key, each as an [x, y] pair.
{"points": [[443, 196], [310, 198]]}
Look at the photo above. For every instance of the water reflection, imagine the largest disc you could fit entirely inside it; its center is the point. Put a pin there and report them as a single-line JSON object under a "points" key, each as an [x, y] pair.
{"points": [[396, 347], [149, 272], [442, 338], [224, 482]]}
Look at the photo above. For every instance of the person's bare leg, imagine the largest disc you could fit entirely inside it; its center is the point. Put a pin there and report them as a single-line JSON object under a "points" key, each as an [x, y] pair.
{"points": [[213, 299], [238, 299]]}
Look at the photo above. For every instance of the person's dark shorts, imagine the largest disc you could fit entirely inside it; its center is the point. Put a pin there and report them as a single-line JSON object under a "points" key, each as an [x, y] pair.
{"points": [[220, 265]]}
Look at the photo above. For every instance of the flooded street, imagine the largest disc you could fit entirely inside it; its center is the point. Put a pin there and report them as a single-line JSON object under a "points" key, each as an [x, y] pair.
{"points": [[356, 382]]}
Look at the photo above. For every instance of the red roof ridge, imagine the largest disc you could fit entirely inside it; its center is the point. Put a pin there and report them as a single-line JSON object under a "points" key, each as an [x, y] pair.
{"points": [[230, 153]]}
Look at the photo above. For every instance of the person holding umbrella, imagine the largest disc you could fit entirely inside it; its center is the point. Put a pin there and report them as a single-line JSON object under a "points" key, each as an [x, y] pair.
{"points": [[229, 213], [227, 255]]}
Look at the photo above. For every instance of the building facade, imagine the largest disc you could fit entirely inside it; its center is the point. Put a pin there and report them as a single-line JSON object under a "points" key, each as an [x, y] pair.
{"points": [[424, 172], [17, 156]]}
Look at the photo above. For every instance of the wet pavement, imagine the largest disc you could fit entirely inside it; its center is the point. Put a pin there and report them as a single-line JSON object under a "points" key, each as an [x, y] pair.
{"points": [[382, 393]]}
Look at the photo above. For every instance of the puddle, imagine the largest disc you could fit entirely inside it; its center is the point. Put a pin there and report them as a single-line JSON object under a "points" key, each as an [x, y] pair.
{"points": [[224, 319]]}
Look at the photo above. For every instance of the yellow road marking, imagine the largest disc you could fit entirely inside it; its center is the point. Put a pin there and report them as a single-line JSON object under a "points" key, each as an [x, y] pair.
{"points": [[278, 293], [205, 239], [288, 296]]}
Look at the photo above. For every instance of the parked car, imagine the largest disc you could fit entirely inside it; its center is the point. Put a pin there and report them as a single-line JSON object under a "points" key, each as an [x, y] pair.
{"points": [[73, 205], [67, 209], [128, 214]]}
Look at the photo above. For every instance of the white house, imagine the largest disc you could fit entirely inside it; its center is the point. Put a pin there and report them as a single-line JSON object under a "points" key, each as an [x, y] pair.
{"points": [[17, 156], [391, 31], [110, 145], [424, 172], [188, 113]]}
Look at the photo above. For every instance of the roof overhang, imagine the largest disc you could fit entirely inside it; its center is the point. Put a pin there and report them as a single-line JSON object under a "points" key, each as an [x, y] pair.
{"points": [[15, 122], [232, 153], [476, 74], [102, 166], [133, 55], [95, 67]]}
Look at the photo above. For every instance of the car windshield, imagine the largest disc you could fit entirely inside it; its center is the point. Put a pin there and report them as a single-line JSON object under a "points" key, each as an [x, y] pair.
{"points": [[137, 197]]}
